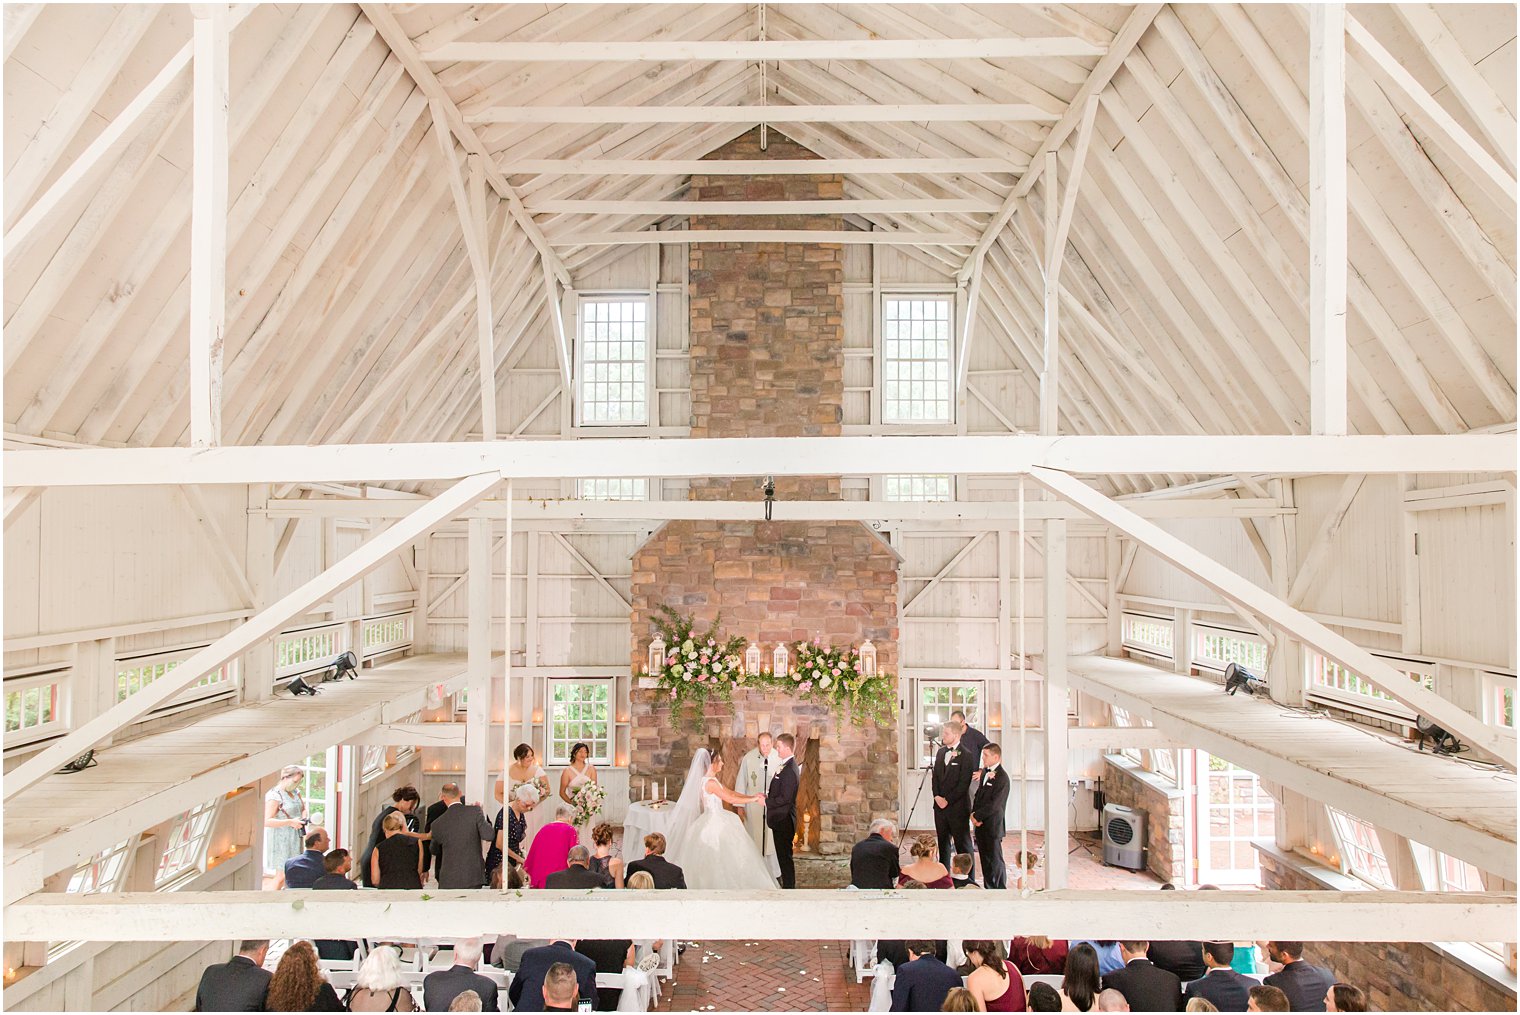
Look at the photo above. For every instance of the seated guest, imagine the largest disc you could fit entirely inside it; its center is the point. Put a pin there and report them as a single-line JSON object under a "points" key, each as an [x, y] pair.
{"points": [[874, 860], [302, 871], [1305, 983], [550, 849], [664, 873], [648, 948], [1081, 983], [925, 868], [1226, 989], [610, 957], [527, 990], [337, 863], [1183, 958], [1109, 959], [601, 852], [561, 988], [1038, 956], [298, 983], [923, 981], [405, 802], [1345, 997], [467, 1001], [1044, 997], [1144, 986], [1265, 998], [579, 874], [439, 989], [1199, 1004], [959, 999], [960, 871], [398, 861], [994, 983], [896, 952], [239, 984], [378, 985], [1111, 1000]]}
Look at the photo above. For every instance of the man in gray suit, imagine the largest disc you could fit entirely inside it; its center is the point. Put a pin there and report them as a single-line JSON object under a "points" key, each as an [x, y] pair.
{"points": [[457, 835], [238, 985]]}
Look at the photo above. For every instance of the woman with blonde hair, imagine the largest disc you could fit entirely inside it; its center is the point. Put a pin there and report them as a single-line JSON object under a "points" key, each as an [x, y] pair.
{"points": [[398, 861], [285, 816], [925, 869], [378, 985], [1038, 956], [298, 983], [960, 999], [648, 951]]}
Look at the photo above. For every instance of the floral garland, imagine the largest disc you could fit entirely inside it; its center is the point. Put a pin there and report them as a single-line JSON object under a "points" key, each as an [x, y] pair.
{"points": [[698, 667]]}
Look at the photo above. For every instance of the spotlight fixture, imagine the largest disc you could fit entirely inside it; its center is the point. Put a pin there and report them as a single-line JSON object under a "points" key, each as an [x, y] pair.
{"points": [[1237, 677], [299, 686], [79, 764], [346, 665], [1441, 742], [770, 495]]}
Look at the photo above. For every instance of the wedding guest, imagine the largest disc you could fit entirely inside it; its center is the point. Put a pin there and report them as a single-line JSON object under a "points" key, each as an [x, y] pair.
{"points": [[398, 861], [1044, 997], [1199, 1004], [524, 800], [550, 849], [378, 985], [439, 989], [612, 956], [1109, 958], [1038, 956], [1183, 958], [992, 980], [959, 999], [578, 873], [653, 863], [436, 808], [239, 984], [923, 981], [302, 871], [298, 983], [925, 868], [601, 851], [1226, 989], [527, 990], [960, 871], [285, 815], [1082, 982], [1305, 983], [466, 1001], [494, 855], [561, 991], [1145, 986], [337, 864], [875, 860], [404, 801], [457, 835], [643, 881], [1111, 1000], [1345, 997], [1265, 998]]}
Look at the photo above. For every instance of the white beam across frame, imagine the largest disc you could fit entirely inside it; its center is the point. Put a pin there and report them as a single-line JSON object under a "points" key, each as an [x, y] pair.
{"points": [[750, 167], [1112, 738], [691, 209], [1007, 455], [819, 915], [1328, 259], [613, 238], [208, 222], [976, 112], [755, 51], [414, 734], [1248, 596], [256, 629]]}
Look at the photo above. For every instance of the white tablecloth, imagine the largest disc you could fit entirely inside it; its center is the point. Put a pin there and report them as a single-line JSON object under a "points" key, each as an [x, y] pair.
{"points": [[641, 820]]}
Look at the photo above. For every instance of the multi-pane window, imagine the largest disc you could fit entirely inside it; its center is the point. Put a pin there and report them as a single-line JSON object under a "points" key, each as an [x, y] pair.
{"points": [[106, 871], [185, 848], [33, 707], [300, 651], [580, 712], [372, 762], [132, 675], [1499, 699], [1148, 634], [936, 700], [1329, 679], [614, 362], [1120, 717], [917, 378], [1441, 872], [929, 488], [1362, 851], [1164, 764], [387, 634], [1215, 648], [614, 488], [1237, 811]]}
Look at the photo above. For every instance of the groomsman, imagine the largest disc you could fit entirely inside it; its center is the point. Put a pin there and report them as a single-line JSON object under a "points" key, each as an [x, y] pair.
{"points": [[987, 813], [781, 808], [952, 794]]}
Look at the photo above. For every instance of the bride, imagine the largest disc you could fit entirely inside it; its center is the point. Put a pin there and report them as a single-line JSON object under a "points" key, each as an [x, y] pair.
{"points": [[711, 845]]}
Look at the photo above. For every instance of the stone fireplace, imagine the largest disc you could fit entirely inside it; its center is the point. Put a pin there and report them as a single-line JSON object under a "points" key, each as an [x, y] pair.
{"points": [[767, 360]]}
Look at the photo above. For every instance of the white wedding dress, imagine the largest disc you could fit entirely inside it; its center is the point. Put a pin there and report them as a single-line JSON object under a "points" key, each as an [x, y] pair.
{"points": [[716, 851]]}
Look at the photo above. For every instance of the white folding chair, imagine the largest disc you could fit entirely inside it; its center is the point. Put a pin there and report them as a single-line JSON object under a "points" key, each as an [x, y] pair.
{"points": [[882, 979], [861, 956]]}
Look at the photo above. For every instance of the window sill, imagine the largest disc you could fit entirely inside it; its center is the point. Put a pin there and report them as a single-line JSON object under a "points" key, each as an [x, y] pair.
{"points": [[1153, 780]]}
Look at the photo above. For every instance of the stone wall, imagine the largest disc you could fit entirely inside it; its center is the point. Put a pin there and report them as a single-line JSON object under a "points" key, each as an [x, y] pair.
{"points": [[1397, 976], [1164, 815]]}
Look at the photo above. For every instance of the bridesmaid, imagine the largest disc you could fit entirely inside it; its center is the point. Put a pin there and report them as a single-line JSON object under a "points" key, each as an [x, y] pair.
{"points": [[580, 771], [526, 771]]}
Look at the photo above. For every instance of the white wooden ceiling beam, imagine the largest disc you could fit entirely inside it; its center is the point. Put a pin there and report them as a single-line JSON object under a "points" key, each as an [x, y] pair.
{"points": [[1248, 596], [753, 51], [552, 302], [401, 44], [412, 734], [19, 18], [1319, 548], [208, 222], [1327, 218], [257, 628], [979, 112], [759, 167], [1495, 180], [816, 914], [1113, 738], [693, 209], [782, 456], [875, 237]]}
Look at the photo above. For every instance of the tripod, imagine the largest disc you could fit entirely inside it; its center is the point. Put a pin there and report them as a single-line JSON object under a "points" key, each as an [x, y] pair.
{"points": [[903, 826]]}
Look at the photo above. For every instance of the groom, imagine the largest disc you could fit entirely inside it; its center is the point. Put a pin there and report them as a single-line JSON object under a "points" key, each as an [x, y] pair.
{"points": [[781, 808]]}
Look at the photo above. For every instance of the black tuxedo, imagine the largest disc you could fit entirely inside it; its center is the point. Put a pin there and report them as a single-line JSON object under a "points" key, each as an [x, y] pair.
{"points": [[665, 873], [989, 807], [1185, 958], [238, 985], [1225, 989], [875, 863], [952, 780], [1146, 987], [781, 817], [1305, 984], [435, 808], [923, 984], [576, 876], [335, 949], [439, 989], [527, 990], [610, 957]]}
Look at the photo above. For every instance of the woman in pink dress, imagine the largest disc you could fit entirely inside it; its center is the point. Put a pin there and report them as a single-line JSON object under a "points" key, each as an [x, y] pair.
{"points": [[550, 848]]}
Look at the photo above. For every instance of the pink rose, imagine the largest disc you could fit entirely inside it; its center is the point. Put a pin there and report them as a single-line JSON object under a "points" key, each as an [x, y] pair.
{"points": [[836, 671], [805, 688]]}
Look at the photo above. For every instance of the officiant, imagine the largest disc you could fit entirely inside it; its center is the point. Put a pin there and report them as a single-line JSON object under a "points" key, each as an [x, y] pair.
{"points": [[755, 771]]}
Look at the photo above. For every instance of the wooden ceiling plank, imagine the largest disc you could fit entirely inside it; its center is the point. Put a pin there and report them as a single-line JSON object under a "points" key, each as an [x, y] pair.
{"points": [[755, 51], [988, 112]]}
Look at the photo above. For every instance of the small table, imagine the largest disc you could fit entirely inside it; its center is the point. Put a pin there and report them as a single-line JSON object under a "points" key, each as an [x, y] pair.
{"points": [[642, 819]]}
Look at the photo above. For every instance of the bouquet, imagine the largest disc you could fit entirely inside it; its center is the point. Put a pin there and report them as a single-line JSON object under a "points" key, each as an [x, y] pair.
{"points": [[588, 801]]}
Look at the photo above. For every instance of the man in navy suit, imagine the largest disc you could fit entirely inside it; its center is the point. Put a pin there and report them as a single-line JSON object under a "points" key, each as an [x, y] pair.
{"points": [[527, 990], [1305, 983], [304, 870], [1226, 989], [923, 981], [952, 793]]}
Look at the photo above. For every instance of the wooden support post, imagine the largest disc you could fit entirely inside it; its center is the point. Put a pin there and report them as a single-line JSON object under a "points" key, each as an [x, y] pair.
{"points": [[1050, 371], [1327, 218], [506, 645], [1284, 665], [1055, 691], [478, 720], [1182, 642], [258, 662], [208, 224], [1112, 561]]}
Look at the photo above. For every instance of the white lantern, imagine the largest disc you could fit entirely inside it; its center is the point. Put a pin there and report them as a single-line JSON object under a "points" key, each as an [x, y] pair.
{"points": [[656, 655], [752, 657], [868, 659], [779, 659]]}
